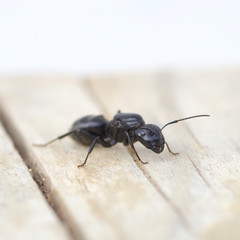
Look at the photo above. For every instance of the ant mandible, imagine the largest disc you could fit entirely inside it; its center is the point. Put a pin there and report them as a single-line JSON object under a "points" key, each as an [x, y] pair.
{"points": [[126, 128]]}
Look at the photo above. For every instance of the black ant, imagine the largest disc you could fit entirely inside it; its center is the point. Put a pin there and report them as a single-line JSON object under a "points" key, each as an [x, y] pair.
{"points": [[125, 127]]}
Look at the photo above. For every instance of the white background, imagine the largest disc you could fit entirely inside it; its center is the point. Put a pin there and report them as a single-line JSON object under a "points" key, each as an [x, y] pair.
{"points": [[99, 36]]}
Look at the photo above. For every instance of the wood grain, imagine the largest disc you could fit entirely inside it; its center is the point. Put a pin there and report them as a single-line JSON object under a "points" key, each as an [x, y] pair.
{"points": [[110, 198], [24, 213], [203, 181], [194, 195]]}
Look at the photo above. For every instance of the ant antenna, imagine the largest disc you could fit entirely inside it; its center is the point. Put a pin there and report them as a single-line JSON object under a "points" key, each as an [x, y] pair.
{"points": [[182, 119]]}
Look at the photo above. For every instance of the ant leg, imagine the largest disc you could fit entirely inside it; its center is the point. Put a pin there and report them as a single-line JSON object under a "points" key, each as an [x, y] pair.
{"points": [[170, 149], [132, 146], [95, 140], [53, 140], [89, 151]]}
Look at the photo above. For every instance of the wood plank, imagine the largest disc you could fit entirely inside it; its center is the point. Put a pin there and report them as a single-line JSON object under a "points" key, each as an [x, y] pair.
{"points": [[110, 198], [24, 213], [203, 181]]}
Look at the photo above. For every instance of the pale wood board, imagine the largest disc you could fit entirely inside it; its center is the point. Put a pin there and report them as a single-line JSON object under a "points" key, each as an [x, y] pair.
{"points": [[24, 213], [109, 198], [194, 195]]}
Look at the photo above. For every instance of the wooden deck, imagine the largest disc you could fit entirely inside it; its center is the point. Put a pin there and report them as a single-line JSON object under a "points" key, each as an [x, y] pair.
{"points": [[193, 195]]}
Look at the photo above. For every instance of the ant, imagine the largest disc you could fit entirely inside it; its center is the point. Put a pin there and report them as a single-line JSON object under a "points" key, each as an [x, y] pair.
{"points": [[126, 128]]}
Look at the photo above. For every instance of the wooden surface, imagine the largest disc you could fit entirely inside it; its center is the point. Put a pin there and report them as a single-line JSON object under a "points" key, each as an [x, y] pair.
{"points": [[194, 195], [24, 213]]}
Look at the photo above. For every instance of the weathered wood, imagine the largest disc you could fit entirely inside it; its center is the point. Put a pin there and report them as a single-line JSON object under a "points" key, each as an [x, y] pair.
{"points": [[194, 195], [24, 213], [203, 181], [110, 197]]}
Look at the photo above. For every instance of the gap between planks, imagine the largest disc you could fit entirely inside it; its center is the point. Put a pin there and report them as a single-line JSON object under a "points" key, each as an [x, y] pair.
{"points": [[192, 161], [40, 177], [159, 190]]}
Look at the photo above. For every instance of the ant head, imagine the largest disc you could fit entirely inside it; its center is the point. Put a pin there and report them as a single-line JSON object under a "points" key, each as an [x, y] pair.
{"points": [[151, 137]]}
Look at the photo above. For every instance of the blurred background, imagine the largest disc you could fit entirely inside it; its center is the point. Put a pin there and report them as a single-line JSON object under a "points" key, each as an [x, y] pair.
{"points": [[105, 36], [102, 39]]}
